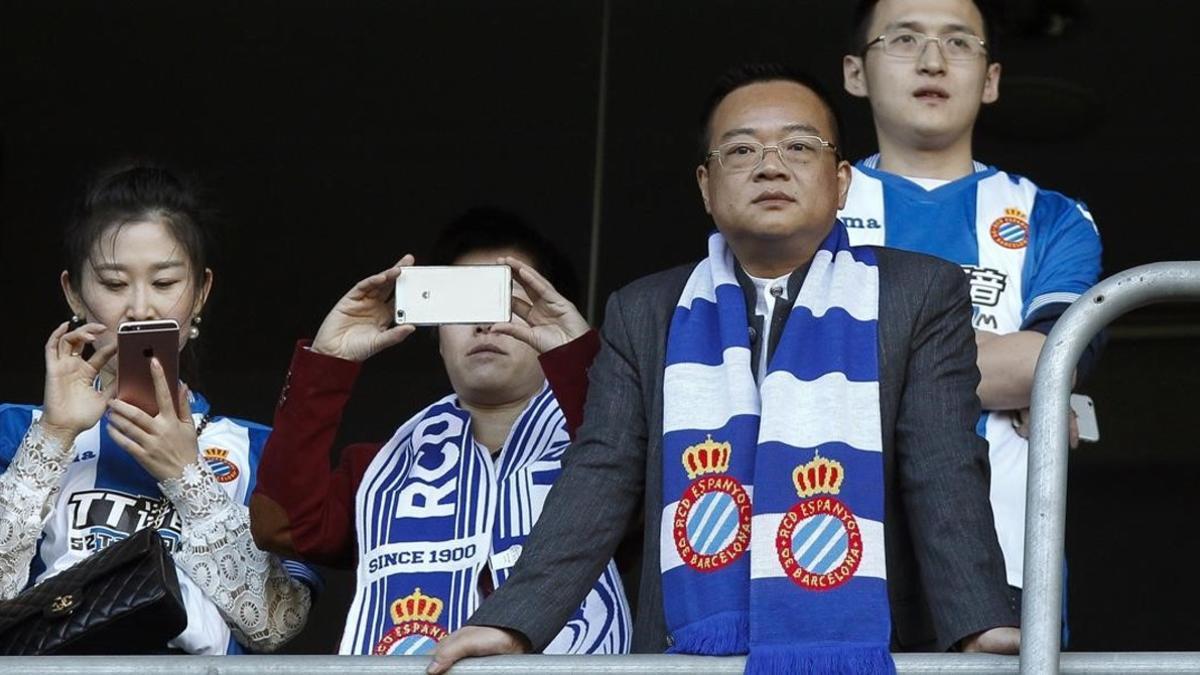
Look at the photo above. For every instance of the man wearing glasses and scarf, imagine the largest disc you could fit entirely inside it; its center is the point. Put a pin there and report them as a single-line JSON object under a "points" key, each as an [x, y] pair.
{"points": [[795, 414]]}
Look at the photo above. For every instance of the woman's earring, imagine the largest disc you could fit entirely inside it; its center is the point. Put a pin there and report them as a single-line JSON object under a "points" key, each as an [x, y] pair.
{"points": [[76, 321], [194, 331]]}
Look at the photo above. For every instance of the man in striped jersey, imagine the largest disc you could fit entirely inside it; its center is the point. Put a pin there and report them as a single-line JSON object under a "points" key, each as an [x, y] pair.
{"points": [[927, 66]]}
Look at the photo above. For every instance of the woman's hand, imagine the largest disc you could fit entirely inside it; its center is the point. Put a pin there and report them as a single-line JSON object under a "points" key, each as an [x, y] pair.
{"points": [[162, 444], [71, 403], [549, 319], [360, 325]]}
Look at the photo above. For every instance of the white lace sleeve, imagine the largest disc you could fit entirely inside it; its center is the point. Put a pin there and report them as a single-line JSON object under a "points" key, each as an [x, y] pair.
{"points": [[27, 490], [262, 604]]}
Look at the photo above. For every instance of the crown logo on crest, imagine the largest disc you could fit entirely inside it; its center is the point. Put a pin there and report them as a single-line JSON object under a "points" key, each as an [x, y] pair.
{"points": [[1015, 213], [416, 607], [707, 457], [820, 476]]}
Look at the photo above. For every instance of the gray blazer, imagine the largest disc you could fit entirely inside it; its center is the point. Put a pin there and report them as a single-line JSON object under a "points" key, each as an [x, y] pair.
{"points": [[945, 571]]}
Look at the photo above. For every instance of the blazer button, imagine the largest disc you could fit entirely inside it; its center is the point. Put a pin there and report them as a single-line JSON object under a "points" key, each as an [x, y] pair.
{"points": [[753, 334]]}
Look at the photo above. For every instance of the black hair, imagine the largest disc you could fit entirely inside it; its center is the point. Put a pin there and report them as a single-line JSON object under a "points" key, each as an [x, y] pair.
{"points": [[488, 228], [740, 76], [131, 193], [864, 12]]}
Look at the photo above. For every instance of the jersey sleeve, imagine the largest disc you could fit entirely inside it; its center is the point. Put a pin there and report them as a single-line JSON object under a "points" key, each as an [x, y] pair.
{"points": [[1065, 251], [14, 422], [305, 573]]}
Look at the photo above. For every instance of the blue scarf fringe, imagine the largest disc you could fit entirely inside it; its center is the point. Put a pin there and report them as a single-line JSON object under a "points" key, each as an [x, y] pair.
{"points": [[721, 634], [830, 659]]}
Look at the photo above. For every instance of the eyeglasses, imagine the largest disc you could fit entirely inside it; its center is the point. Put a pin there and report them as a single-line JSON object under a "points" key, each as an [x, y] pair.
{"points": [[909, 44], [796, 151]]}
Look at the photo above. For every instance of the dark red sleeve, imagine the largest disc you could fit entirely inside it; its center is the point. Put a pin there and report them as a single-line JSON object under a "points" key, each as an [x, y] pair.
{"points": [[299, 506], [566, 370]]}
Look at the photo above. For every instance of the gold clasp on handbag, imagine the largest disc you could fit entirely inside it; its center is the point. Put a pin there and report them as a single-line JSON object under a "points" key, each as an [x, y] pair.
{"points": [[63, 604]]}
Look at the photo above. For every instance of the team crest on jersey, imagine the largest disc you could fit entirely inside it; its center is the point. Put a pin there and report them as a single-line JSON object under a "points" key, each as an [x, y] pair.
{"points": [[1012, 229], [819, 542], [218, 460], [712, 520], [416, 630]]}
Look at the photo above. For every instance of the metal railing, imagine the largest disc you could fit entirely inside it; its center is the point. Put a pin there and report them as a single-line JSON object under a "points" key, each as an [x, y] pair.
{"points": [[631, 664], [1044, 537], [1046, 496]]}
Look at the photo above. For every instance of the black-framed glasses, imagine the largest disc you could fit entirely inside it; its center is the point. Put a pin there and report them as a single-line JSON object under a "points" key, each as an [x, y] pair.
{"points": [[795, 151], [909, 44]]}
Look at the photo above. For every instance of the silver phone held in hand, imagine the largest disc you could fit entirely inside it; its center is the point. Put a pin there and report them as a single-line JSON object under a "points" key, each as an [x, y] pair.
{"points": [[435, 295]]}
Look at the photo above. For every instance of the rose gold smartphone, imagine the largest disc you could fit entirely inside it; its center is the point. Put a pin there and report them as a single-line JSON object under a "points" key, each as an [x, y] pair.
{"points": [[137, 342]]}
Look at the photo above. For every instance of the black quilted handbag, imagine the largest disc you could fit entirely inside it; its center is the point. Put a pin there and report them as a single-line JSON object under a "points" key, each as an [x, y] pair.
{"points": [[124, 599]]}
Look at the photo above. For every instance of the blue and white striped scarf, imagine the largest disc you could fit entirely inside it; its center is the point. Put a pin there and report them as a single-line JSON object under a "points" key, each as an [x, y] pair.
{"points": [[774, 546], [434, 506]]}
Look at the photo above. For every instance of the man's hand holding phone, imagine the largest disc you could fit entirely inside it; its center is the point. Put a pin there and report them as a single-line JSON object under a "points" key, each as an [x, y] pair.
{"points": [[1081, 423], [164, 443], [360, 325], [548, 320]]}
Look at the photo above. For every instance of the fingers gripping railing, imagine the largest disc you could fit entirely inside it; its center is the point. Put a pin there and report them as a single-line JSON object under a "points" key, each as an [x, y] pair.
{"points": [[1046, 496]]}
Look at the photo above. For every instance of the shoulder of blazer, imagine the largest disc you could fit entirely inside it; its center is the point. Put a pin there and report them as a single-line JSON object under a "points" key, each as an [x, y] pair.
{"points": [[897, 263], [645, 307], [904, 274], [655, 293]]}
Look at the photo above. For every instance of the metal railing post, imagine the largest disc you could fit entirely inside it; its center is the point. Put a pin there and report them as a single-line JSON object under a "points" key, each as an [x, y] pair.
{"points": [[1046, 496]]}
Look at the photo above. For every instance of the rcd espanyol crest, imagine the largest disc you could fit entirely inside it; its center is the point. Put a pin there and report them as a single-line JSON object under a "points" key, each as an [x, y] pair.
{"points": [[712, 522], [1012, 229], [819, 542], [223, 469], [416, 630]]}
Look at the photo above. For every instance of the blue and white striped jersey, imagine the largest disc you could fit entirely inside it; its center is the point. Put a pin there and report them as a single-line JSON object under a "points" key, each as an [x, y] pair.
{"points": [[1027, 253], [106, 495]]}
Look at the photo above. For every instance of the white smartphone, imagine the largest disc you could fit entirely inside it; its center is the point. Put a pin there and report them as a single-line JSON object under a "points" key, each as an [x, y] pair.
{"points": [[1085, 417], [435, 295]]}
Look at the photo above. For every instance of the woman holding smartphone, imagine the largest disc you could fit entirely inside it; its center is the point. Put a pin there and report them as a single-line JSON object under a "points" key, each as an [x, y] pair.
{"points": [[435, 518], [85, 469]]}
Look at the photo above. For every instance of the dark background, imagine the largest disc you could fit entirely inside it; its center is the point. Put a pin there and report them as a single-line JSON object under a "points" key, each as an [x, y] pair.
{"points": [[336, 136]]}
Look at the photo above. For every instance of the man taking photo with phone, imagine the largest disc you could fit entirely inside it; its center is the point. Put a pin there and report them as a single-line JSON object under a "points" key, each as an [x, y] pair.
{"points": [[434, 519]]}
